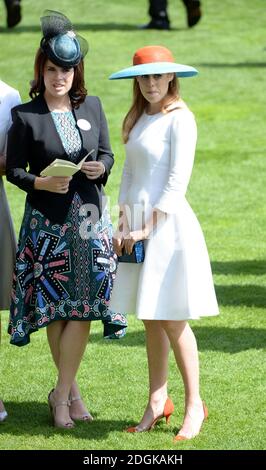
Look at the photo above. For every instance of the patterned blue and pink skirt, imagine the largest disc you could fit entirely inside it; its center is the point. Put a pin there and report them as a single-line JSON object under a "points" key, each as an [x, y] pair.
{"points": [[63, 272]]}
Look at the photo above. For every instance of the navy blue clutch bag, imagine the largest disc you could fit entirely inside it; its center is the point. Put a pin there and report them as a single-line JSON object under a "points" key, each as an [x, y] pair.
{"points": [[137, 255]]}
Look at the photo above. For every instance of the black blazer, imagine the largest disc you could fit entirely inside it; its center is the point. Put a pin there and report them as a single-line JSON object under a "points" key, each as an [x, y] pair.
{"points": [[34, 142]]}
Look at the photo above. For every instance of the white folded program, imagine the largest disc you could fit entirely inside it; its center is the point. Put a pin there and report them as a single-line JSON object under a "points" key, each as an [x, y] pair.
{"points": [[64, 168]]}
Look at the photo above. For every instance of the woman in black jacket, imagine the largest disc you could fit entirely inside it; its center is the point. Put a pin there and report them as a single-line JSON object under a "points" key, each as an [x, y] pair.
{"points": [[65, 261]]}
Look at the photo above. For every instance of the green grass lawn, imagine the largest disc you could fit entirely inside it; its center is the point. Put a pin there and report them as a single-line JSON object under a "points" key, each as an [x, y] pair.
{"points": [[227, 192]]}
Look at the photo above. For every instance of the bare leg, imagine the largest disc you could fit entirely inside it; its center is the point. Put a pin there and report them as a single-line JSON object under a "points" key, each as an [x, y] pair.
{"points": [[54, 332], [184, 345], [157, 345], [67, 342], [3, 413]]}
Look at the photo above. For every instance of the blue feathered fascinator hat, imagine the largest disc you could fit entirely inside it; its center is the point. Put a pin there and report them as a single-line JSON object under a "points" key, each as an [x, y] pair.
{"points": [[62, 45]]}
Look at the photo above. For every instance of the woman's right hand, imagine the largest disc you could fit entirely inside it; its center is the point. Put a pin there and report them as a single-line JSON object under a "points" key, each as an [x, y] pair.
{"points": [[53, 184], [121, 232], [118, 242]]}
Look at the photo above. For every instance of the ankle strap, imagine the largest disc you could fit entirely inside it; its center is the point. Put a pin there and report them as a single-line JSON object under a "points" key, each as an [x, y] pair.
{"points": [[71, 399], [62, 403]]}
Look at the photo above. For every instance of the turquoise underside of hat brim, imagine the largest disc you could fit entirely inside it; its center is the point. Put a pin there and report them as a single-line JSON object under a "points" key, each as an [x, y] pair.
{"points": [[153, 69]]}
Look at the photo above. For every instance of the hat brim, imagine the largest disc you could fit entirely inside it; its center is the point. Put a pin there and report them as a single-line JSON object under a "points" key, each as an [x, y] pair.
{"points": [[155, 68]]}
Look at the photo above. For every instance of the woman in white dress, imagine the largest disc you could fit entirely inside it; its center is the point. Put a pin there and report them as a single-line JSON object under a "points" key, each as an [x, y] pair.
{"points": [[9, 97], [174, 283]]}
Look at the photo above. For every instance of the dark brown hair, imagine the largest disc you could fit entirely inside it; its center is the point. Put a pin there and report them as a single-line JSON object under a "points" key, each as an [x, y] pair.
{"points": [[78, 92], [140, 104]]}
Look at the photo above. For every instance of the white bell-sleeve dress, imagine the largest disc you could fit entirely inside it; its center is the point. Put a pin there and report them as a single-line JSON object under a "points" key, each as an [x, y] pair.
{"points": [[175, 280]]}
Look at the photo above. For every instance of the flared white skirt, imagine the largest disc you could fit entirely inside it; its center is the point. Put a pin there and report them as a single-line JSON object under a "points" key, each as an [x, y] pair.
{"points": [[175, 280]]}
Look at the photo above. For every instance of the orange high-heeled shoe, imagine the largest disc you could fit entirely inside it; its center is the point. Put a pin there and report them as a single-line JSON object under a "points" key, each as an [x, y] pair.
{"points": [[180, 437], [52, 406], [167, 412], [84, 417]]}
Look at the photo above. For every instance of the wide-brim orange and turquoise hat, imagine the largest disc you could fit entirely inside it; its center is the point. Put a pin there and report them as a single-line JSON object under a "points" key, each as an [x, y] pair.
{"points": [[153, 60]]}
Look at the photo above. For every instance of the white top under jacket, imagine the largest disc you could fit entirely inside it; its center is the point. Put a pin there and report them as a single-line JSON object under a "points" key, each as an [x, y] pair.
{"points": [[175, 281], [9, 97]]}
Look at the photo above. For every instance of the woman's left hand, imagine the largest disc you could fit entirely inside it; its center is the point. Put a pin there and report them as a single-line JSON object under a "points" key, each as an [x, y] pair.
{"points": [[93, 170], [134, 237]]}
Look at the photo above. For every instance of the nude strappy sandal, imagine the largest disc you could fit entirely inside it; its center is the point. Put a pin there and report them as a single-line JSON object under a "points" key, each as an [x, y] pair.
{"points": [[84, 417]]}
